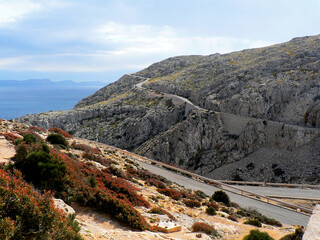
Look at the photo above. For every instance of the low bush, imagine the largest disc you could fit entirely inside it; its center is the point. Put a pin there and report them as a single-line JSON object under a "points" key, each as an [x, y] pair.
{"points": [[257, 235], [60, 131], [26, 135], [85, 148], [204, 228], [297, 235], [94, 157], [216, 206], [54, 138], [211, 211], [253, 222], [226, 210], [161, 212], [233, 218], [144, 175], [36, 129], [174, 194], [252, 213], [10, 136], [191, 203], [156, 183], [221, 196], [201, 194]]}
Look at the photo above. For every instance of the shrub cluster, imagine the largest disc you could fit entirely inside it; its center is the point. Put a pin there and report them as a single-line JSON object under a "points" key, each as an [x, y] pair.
{"points": [[74, 181], [97, 158], [253, 222], [36, 129], [205, 228], [156, 183], [60, 131], [253, 214], [10, 136], [297, 235], [85, 148], [25, 214], [191, 203], [257, 235]]}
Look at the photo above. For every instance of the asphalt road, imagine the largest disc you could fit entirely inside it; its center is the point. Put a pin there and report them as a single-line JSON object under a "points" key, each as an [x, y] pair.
{"points": [[283, 215], [282, 191]]}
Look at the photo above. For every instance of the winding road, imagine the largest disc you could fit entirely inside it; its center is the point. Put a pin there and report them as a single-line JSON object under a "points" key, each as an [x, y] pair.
{"points": [[283, 215]]}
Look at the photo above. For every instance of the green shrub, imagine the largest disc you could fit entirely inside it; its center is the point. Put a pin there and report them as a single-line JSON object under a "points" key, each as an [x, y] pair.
{"points": [[211, 211], [54, 138], [221, 196], [297, 235], [29, 138], [257, 235], [42, 170], [253, 222]]}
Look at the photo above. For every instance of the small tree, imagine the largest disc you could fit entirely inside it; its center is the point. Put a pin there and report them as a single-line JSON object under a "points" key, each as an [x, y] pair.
{"points": [[221, 196]]}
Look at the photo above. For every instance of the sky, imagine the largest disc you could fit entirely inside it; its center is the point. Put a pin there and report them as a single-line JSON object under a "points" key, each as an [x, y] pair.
{"points": [[100, 40]]}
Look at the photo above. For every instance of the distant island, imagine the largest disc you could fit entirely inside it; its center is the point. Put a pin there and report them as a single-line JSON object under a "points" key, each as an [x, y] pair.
{"points": [[45, 83]]}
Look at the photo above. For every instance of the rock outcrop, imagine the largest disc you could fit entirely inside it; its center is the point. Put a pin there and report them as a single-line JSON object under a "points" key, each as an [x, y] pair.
{"points": [[252, 101]]}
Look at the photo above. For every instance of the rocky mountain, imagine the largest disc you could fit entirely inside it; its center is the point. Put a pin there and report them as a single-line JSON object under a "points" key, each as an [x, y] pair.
{"points": [[246, 115]]}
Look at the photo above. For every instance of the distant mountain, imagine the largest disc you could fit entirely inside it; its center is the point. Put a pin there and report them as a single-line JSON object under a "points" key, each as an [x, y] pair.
{"points": [[46, 83]]}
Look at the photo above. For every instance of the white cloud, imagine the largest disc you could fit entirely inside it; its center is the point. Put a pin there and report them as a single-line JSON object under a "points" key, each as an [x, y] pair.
{"points": [[130, 47], [147, 39], [14, 10], [11, 11]]}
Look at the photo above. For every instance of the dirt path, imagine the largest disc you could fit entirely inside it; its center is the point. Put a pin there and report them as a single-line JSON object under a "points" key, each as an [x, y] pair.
{"points": [[7, 150]]}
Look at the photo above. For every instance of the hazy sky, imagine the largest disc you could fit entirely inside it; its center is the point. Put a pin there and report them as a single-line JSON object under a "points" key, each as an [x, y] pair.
{"points": [[86, 40]]}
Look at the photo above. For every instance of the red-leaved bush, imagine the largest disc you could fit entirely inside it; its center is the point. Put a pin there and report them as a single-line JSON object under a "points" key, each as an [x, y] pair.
{"points": [[203, 227], [10, 136], [36, 129], [84, 147], [156, 183], [60, 131], [25, 214]]}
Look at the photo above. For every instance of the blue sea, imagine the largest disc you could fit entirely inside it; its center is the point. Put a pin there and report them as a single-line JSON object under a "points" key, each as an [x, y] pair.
{"points": [[16, 102]]}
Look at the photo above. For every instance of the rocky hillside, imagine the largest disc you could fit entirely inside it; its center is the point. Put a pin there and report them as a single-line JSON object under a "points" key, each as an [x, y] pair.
{"points": [[109, 193], [263, 100]]}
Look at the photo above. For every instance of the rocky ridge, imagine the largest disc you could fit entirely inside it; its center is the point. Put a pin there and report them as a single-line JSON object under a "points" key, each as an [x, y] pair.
{"points": [[258, 100]]}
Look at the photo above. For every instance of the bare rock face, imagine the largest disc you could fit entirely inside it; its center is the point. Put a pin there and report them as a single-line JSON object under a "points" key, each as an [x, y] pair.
{"points": [[252, 103], [313, 231]]}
